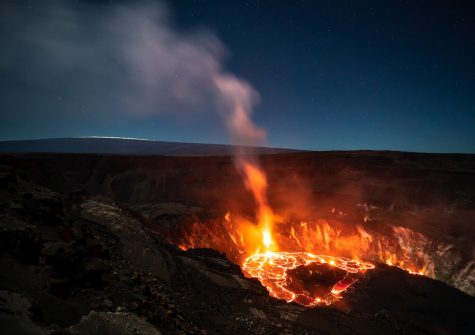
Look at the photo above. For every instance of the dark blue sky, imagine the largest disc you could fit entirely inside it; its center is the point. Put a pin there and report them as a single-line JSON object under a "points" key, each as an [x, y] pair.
{"points": [[332, 75]]}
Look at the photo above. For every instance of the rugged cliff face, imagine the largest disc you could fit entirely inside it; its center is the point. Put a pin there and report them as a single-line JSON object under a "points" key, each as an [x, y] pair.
{"points": [[84, 235]]}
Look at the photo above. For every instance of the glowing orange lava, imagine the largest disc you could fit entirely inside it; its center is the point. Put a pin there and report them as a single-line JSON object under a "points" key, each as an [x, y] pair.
{"points": [[285, 256], [392, 261], [271, 269]]}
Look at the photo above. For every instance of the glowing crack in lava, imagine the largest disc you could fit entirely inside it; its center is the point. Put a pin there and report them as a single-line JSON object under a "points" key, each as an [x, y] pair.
{"points": [[272, 268]]}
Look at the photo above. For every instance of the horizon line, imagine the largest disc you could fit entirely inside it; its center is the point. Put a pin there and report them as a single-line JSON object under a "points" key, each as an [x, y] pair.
{"points": [[228, 144]]}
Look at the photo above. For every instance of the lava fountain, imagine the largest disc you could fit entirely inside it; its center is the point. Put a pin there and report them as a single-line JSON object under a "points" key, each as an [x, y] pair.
{"points": [[287, 264], [310, 263], [273, 267]]}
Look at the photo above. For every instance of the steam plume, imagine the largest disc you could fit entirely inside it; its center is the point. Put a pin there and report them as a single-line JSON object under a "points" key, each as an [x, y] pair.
{"points": [[131, 59], [127, 58]]}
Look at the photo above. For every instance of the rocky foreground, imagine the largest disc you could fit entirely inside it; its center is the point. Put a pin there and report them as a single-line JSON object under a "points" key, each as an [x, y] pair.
{"points": [[76, 262]]}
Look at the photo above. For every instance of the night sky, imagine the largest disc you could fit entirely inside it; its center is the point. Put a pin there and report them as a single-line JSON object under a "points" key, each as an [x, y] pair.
{"points": [[330, 75]]}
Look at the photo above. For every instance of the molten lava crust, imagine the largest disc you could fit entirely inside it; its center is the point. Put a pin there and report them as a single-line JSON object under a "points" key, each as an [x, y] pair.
{"points": [[303, 277]]}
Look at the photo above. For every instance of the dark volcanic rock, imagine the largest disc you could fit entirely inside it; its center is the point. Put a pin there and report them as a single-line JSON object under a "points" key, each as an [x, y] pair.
{"points": [[100, 323], [77, 256], [18, 314]]}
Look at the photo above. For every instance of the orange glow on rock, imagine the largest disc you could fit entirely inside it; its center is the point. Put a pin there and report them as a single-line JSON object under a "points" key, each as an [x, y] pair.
{"points": [[271, 268], [276, 251]]}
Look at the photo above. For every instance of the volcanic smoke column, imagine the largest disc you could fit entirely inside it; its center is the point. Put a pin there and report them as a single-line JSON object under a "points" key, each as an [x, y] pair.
{"points": [[236, 100]]}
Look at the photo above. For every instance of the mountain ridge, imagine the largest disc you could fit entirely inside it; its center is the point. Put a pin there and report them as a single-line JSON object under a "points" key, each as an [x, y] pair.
{"points": [[134, 146]]}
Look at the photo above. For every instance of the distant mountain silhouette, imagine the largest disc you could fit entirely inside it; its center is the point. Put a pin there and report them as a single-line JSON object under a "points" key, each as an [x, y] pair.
{"points": [[125, 146]]}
